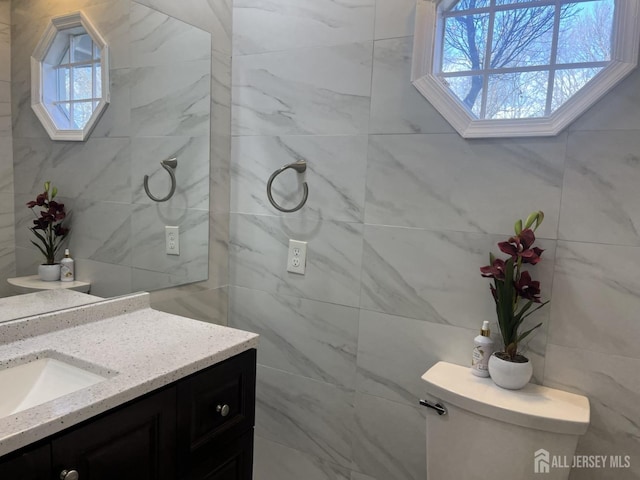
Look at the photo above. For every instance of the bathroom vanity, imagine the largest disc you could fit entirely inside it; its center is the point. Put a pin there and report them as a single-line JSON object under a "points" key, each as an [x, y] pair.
{"points": [[165, 397]]}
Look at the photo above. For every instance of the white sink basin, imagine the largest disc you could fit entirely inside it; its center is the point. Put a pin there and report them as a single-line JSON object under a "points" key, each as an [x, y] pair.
{"points": [[39, 381]]}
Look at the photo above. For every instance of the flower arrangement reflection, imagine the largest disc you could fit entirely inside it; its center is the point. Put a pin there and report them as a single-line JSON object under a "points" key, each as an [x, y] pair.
{"points": [[48, 226]]}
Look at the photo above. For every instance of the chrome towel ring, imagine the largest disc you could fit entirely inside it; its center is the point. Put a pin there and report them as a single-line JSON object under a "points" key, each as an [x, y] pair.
{"points": [[299, 167], [169, 165]]}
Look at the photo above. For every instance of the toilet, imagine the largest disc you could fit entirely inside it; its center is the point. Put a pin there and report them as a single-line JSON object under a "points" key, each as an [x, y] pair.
{"points": [[477, 430]]}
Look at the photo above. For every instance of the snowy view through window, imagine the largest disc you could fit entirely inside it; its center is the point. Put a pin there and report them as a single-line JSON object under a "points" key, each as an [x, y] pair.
{"points": [[508, 59]]}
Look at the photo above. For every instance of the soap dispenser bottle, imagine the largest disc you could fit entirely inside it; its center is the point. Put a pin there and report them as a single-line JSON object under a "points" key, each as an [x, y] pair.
{"points": [[482, 350], [67, 270]]}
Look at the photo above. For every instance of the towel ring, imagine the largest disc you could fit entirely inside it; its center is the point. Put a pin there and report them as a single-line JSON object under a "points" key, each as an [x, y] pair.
{"points": [[299, 167], [169, 165]]}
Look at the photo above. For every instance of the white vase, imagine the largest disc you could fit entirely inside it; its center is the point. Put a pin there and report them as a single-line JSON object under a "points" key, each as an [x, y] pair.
{"points": [[49, 273], [509, 375]]}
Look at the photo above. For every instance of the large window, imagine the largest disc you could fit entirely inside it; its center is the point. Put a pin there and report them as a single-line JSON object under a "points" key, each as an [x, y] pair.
{"points": [[521, 67]]}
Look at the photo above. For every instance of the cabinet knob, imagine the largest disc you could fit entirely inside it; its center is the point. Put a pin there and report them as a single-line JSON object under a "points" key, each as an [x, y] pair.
{"points": [[221, 409], [69, 475]]}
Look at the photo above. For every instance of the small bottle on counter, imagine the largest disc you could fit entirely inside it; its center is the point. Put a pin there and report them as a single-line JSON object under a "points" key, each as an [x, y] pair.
{"points": [[482, 350], [67, 269]]}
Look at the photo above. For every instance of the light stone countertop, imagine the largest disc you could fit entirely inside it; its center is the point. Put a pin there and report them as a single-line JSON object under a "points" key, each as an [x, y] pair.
{"points": [[18, 306], [139, 349]]}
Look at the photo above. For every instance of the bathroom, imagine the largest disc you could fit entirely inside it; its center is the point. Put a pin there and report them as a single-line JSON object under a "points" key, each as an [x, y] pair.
{"points": [[401, 214]]}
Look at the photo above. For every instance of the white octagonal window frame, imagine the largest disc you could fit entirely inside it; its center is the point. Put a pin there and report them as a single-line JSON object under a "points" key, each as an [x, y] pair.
{"points": [[44, 81], [426, 57]]}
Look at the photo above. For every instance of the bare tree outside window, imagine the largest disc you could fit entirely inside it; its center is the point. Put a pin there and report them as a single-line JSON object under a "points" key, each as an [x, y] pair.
{"points": [[516, 59]]}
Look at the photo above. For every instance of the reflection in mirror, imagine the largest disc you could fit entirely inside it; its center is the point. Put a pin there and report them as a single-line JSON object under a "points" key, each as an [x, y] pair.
{"points": [[69, 92], [160, 91]]}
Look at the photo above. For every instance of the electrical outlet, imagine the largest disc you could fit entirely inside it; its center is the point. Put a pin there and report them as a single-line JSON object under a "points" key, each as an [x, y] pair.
{"points": [[297, 257], [172, 240]]}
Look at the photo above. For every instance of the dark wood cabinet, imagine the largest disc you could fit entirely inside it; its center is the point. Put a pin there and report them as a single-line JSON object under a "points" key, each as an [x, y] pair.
{"points": [[198, 428]]}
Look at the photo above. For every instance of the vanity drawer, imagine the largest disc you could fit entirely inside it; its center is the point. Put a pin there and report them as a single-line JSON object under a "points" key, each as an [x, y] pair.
{"points": [[218, 402]]}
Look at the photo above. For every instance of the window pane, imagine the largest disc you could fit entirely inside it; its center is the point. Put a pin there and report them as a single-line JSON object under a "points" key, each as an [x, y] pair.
{"points": [[508, 2], [98, 81], [82, 83], [96, 52], [81, 113], [469, 5], [468, 89], [65, 58], [64, 108], [568, 82], [82, 48], [585, 32], [459, 53], [63, 84], [517, 95], [522, 37]]}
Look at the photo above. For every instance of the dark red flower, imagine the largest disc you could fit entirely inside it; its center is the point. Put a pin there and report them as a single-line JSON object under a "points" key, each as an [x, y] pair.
{"points": [[60, 231], [520, 246], [495, 270], [527, 288]]}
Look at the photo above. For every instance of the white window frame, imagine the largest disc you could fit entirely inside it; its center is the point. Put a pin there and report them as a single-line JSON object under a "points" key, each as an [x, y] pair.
{"points": [[426, 59], [44, 78]]}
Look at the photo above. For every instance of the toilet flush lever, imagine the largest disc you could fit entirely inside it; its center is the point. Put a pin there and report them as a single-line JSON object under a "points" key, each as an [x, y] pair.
{"points": [[436, 406]]}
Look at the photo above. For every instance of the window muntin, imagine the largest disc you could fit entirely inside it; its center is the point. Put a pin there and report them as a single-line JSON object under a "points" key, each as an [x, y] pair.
{"points": [[509, 59]]}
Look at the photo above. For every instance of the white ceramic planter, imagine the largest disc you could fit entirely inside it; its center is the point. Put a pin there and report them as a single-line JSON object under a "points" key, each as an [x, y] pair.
{"points": [[510, 375], [49, 273]]}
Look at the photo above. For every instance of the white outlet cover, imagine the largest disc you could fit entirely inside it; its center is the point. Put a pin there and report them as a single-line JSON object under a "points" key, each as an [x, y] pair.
{"points": [[297, 257]]}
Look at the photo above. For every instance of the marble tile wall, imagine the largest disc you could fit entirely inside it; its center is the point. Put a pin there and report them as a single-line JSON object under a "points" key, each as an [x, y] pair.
{"points": [[401, 214], [7, 235], [113, 240]]}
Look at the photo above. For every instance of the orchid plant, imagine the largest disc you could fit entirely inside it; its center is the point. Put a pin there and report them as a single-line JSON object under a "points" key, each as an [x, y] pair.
{"points": [[47, 227], [513, 290]]}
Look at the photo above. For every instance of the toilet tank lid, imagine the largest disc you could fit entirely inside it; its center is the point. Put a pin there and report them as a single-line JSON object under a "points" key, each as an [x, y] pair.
{"points": [[534, 406]]}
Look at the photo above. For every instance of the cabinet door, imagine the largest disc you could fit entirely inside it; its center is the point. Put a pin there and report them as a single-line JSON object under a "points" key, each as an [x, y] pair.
{"points": [[136, 442], [34, 464], [227, 461]]}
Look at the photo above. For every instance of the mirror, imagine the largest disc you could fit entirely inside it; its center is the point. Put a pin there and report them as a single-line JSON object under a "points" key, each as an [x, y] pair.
{"points": [[70, 77], [160, 100]]}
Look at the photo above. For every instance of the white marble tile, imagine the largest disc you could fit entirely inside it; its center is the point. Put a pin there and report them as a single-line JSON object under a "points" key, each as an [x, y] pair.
{"points": [[158, 39], [270, 25], [100, 166], [394, 352], [208, 305], [313, 339], [618, 110], [336, 175], [6, 165], [218, 250], [25, 123], [192, 173], [5, 109], [612, 385], [599, 196], [107, 279], [220, 174], [395, 18], [446, 182], [389, 439], [321, 90], [111, 18], [171, 101], [213, 16], [596, 297], [7, 269], [5, 11], [5, 52], [360, 476], [148, 240], [220, 94], [258, 257], [273, 461], [100, 231], [305, 414], [27, 260], [396, 105], [116, 119], [7, 222]]}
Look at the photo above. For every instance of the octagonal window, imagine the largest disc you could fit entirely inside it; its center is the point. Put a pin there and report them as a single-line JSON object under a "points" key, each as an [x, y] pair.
{"points": [[70, 87], [521, 67]]}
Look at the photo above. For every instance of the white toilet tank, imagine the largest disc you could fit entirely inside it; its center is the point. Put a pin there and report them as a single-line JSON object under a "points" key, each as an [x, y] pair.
{"points": [[488, 432]]}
